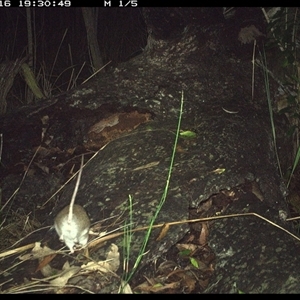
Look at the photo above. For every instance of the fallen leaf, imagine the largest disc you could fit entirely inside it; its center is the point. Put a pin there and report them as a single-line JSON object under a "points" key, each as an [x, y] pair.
{"points": [[113, 256], [64, 276], [189, 283], [45, 262], [190, 247], [111, 264], [125, 288], [157, 288], [163, 232], [203, 234], [37, 252], [248, 34]]}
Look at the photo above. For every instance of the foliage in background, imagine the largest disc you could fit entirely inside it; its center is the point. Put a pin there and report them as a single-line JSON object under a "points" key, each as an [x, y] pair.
{"points": [[283, 37], [58, 50], [267, 86]]}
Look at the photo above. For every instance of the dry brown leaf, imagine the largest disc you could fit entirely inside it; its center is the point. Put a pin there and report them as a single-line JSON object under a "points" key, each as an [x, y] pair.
{"points": [[45, 262], [111, 264], [107, 122], [248, 34], [180, 149], [157, 287], [113, 256], [255, 189], [48, 271], [44, 255], [188, 282], [203, 234], [64, 276], [205, 206], [102, 266], [37, 252], [163, 232], [125, 288], [190, 238], [182, 247]]}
